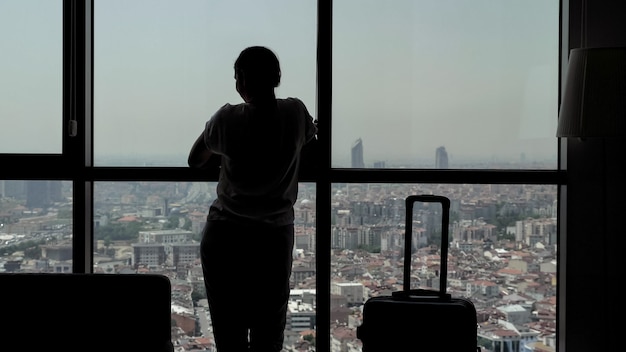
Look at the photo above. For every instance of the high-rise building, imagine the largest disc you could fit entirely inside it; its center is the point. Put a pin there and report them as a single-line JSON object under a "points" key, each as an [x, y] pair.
{"points": [[441, 158], [357, 154], [151, 254], [185, 253], [13, 188], [41, 194]]}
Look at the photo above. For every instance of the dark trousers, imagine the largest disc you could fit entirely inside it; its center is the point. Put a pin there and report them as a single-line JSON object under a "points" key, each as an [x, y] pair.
{"points": [[246, 273]]}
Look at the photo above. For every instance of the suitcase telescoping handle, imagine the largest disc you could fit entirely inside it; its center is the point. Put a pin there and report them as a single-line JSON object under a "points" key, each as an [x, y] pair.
{"points": [[445, 216]]}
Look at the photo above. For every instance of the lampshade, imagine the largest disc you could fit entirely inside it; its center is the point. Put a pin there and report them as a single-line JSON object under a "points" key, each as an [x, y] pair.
{"points": [[594, 99]]}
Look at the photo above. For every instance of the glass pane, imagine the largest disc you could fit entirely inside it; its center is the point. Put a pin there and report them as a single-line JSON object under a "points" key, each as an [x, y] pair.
{"points": [[478, 79], [162, 68], [31, 81], [36, 226], [156, 227], [502, 255]]}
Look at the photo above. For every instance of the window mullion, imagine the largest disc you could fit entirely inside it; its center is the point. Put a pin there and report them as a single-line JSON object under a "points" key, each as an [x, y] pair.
{"points": [[323, 186], [77, 143]]}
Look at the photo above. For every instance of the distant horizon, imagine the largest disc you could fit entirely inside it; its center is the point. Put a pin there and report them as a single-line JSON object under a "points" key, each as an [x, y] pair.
{"points": [[180, 160]]}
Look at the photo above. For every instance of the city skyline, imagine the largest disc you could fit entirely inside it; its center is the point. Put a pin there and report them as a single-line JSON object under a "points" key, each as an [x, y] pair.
{"points": [[489, 263]]}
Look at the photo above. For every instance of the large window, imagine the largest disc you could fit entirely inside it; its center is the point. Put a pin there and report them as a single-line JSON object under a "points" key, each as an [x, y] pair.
{"points": [[450, 97], [161, 69], [31, 76], [36, 226], [502, 254], [445, 84]]}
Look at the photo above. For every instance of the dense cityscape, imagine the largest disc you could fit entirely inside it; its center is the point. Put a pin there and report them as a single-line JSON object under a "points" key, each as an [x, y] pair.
{"points": [[502, 252]]}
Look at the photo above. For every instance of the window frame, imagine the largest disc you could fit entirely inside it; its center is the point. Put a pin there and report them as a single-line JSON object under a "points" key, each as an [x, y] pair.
{"points": [[75, 163]]}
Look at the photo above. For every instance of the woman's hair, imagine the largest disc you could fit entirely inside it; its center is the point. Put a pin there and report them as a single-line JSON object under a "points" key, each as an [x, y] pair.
{"points": [[259, 67]]}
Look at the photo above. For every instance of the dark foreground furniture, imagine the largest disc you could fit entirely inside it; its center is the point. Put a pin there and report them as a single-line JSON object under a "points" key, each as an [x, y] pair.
{"points": [[85, 312]]}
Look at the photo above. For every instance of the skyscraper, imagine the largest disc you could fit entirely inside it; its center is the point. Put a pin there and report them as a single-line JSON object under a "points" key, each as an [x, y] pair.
{"points": [[41, 194], [14, 188], [357, 154], [441, 158]]}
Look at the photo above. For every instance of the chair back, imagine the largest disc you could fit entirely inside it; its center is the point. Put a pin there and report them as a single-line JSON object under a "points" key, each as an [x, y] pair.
{"points": [[85, 312]]}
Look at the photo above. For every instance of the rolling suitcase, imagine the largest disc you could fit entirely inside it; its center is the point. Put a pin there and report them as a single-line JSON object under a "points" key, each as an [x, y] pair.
{"points": [[420, 319]]}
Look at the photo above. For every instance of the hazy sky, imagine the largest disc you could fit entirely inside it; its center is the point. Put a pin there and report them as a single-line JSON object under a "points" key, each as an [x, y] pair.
{"points": [[30, 76], [476, 76]]}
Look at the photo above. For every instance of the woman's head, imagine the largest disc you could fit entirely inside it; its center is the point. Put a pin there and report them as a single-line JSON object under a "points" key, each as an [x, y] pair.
{"points": [[258, 67]]}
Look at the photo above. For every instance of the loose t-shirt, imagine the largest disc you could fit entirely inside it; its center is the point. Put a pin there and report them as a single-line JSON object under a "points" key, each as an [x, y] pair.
{"points": [[260, 149]]}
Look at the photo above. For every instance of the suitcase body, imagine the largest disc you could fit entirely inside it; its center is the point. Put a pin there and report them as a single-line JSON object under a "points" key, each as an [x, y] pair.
{"points": [[420, 319]]}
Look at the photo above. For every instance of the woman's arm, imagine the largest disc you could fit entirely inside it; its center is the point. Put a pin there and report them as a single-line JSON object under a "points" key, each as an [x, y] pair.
{"points": [[200, 154]]}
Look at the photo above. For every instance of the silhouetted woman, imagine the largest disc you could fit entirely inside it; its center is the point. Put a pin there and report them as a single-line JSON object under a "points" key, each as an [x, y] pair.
{"points": [[248, 239]]}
